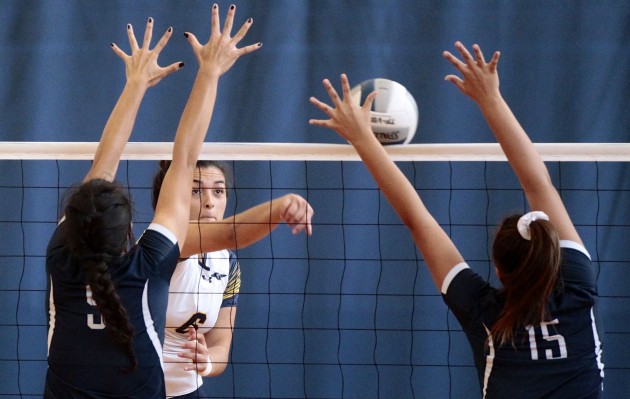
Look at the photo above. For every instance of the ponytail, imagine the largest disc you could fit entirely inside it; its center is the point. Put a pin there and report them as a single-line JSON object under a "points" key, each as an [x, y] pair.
{"points": [[529, 271]]}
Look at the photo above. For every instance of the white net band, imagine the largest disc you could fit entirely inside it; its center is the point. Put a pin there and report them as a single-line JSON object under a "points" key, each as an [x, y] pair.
{"points": [[566, 152]]}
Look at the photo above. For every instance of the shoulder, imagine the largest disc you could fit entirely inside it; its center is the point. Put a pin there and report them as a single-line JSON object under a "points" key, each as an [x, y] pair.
{"points": [[157, 248], [576, 265], [468, 295], [572, 247], [157, 232]]}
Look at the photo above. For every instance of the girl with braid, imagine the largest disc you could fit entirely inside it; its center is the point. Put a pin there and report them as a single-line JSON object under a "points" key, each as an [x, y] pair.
{"points": [[538, 335], [107, 296]]}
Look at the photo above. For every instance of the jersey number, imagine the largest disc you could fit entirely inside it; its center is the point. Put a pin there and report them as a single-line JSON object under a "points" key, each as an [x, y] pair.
{"points": [[557, 338], [90, 318], [197, 318]]}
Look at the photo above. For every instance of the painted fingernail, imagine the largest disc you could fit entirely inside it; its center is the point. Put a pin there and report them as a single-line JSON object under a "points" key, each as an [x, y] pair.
{"points": [[181, 64], [259, 44], [215, 6], [249, 21], [111, 44], [232, 7], [150, 19], [169, 30], [128, 26], [186, 35]]}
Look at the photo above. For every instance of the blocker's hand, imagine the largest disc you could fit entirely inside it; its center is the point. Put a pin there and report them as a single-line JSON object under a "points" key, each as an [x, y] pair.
{"points": [[142, 66], [480, 79], [220, 53], [350, 121]]}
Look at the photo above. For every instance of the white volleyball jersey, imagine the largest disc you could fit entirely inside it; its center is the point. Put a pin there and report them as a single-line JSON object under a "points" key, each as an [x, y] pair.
{"points": [[200, 287]]}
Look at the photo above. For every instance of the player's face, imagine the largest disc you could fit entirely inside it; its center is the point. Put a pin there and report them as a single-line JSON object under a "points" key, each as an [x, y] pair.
{"points": [[209, 195]]}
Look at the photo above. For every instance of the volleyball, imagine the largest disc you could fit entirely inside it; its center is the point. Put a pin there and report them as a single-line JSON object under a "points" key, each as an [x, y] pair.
{"points": [[394, 111]]}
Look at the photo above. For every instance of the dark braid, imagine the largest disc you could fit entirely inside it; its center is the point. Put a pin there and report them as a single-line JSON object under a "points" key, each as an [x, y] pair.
{"points": [[98, 217]]}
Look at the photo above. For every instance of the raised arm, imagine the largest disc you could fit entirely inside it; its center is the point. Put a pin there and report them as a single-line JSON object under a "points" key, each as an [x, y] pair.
{"points": [[245, 228], [353, 123], [214, 58], [142, 71], [481, 83]]}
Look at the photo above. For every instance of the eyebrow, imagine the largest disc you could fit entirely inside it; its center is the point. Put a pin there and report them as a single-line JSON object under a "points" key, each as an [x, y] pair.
{"points": [[198, 182]]}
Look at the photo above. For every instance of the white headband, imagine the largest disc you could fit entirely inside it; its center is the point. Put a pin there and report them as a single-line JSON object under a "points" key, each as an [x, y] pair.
{"points": [[526, 220]]}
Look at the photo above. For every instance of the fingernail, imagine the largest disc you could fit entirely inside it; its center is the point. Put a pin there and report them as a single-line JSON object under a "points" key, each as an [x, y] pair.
{"points": [[181, 64], [150, 19], [214, 6], [111, 44], [186, 34], [259, 44], [128, 26], [232, 7], [249, 21], [169, 30]]}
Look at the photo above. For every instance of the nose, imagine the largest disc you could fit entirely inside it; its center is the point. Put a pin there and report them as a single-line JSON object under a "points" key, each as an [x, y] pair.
{"points": [[208, 203]]}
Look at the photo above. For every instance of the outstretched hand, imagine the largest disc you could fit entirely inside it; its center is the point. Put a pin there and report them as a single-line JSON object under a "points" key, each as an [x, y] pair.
{"points": [[297, 213], [480, 79], [220, 53], [351, 121], [142, 66]]}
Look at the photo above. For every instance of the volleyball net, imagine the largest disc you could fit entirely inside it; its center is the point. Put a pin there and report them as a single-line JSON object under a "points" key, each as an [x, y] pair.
{"points": [[350, 311]]}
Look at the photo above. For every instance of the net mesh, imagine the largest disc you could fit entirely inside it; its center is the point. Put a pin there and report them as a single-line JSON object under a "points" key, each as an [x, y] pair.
{"points": [[350, 311]]}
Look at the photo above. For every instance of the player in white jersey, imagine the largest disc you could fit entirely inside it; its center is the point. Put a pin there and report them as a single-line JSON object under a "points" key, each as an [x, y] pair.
{"points": [[538, 335], [204, 289]]}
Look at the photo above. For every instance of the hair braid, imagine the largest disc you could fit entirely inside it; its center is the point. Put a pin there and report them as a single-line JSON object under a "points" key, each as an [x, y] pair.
{"points": [[98, 217]]}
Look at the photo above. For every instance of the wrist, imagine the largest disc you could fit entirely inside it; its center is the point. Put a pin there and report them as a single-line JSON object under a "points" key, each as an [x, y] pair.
{"points": [[136, 85], [204, 369]]}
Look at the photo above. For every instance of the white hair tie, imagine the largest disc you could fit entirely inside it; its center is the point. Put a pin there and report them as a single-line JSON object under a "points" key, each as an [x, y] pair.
{"points": [[526, 220]]}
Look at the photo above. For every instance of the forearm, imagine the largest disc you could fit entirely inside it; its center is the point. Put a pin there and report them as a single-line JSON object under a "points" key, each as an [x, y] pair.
{"points": [[392, 182], [515, 143], [117, 132], [439, 252], [195, 119], [235, 232]]}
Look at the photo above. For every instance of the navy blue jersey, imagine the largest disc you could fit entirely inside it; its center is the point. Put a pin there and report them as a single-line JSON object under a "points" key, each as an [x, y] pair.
{"points": [[83, 361], [558, 358]]}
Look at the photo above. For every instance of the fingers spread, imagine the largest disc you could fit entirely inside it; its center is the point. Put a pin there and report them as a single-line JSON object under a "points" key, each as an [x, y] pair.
{"points": [[148, 33], [243, 31], [132, 38], [331, 92], [229, 21], [479, 55], [118, 51], [163, 40], [215, 21], [464, 52], [494, 61]]}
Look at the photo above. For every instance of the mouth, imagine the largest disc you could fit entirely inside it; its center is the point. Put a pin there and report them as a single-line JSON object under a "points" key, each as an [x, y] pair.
{"points": [[206, 219]]}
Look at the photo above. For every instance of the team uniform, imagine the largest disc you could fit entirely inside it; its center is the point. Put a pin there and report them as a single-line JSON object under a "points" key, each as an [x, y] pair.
{"points": [[559, 358], [200, 287], [83, 361]]}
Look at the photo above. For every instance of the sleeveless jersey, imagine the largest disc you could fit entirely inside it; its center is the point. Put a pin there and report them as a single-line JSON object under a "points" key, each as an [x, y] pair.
{"points": [[200, 287], [558, 358], [83, 360]]}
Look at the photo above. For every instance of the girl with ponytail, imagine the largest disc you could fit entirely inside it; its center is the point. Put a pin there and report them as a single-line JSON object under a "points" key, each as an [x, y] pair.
{"points": [[537, 336], [107, 295]]}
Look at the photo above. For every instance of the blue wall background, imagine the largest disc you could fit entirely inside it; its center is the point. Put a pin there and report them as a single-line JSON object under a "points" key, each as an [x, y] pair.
{"points": [[351, 312]]}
